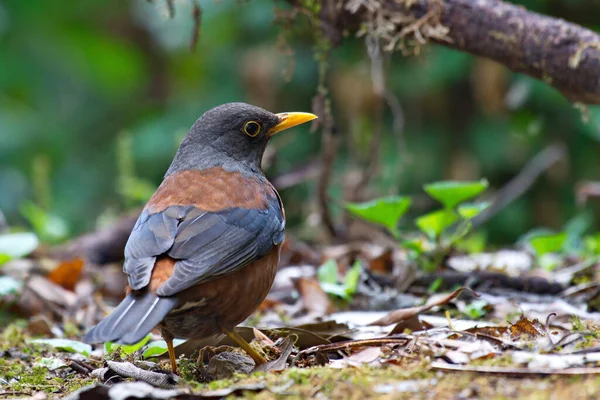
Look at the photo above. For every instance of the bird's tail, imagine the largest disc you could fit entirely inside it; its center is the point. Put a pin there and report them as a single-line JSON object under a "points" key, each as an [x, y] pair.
{"points": [[132, 320]]}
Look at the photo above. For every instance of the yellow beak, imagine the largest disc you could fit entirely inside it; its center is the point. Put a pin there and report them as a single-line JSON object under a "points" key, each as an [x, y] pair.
{"points": [[290, 119]]}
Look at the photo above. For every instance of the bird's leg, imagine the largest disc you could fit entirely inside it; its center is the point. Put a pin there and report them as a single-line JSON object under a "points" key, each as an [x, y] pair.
{"points": [[171, 349], [233, 335]]}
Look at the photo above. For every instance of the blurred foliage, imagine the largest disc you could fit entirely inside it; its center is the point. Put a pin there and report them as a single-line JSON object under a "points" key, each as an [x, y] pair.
{"points": [[95, 96]]}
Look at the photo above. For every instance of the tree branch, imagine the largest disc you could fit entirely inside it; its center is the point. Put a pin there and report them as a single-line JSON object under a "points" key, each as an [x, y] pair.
{"points": [[562, 54]]}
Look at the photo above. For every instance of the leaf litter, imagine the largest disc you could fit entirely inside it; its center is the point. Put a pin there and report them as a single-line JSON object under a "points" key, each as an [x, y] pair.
{"points": [[369, 310]]}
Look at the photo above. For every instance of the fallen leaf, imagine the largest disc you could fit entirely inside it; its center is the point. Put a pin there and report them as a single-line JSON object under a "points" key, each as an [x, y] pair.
{"points": [[314, 300], [278, 365], [382, 263], [412, 324], [525, 327], [71, 346], [262, 338], [159, 347], [442, 366], [403, 314], [67, 273], [51, 363], [554, 361]]}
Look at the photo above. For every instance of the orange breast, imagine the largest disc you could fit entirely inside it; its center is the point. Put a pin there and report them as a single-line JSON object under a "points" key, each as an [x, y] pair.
{"points": [[213, 189]]}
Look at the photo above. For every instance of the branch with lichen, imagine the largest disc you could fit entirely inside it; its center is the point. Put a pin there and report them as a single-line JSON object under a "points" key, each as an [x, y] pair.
{"points": [[563, 54]]}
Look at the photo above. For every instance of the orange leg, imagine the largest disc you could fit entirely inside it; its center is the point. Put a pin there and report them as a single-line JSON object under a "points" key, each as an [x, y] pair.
{"points": [[233, 335], [171, 354]]}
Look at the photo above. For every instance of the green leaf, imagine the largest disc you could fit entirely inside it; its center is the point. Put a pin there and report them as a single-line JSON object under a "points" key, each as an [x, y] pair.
{"points": [[327, 275], [451, 193], [592, 244], [328, 272], [4, 258], [476, 309], [436, 222], [136, 190], [9, 285], [126, 349], [415, 245], [471, 210], [50, 363], [49, 227], [71, 346], [352, 278], [334, 289], [386, 211], [549, 261], [17, 245], [435, 285], [474, 243], [544, 244], [159, 347]]}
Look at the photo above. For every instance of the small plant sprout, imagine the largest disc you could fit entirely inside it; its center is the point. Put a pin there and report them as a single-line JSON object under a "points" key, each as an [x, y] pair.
{"points": [[330, 283], [442, 228], [386, 211]]}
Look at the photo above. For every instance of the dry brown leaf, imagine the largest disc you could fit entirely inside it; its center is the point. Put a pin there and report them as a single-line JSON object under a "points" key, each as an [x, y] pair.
{"points": [[269, 304], [525, 327], [262, 338], [492, 331], [314, 300], [67, 273], [403, 314], [279, 365], [413, 324], [382, 263]]}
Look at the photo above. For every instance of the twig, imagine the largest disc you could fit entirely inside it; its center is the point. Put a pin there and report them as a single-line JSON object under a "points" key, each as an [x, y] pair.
{"points": [[197, 15], [514, 371], [351, 344], [3, 224], [171, 8], [297, 176], [522, 182], [329, 150], [585, 190]]}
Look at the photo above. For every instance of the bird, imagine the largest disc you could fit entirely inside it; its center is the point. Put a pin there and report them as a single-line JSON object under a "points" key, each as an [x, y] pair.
{"points": [[205, 249]]}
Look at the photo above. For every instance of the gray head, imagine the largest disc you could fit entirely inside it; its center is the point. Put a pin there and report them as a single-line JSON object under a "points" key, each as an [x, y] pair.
{"points": [[233, 136]]}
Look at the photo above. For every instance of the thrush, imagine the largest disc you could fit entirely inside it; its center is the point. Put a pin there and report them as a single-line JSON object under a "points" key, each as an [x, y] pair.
{"points": [[203, 254]]}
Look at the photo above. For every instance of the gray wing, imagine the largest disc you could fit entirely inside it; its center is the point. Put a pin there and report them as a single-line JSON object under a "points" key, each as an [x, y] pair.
{"points": [[206, 245]]}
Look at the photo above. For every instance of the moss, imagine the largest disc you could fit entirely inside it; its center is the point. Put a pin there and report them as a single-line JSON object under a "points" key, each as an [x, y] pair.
{"points": [[12, 336], [22, 377]]}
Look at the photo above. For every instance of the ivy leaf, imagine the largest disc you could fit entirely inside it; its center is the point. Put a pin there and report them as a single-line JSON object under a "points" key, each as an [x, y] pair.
{"points": [[544, 244], [328, 272], [471, 210], [351, 279], [50, 363], [9, 285], [159, 347], [385, 211], [436, 222], [452, 193], [126, 349], [327, 275], [17, 245], [70, 346]]}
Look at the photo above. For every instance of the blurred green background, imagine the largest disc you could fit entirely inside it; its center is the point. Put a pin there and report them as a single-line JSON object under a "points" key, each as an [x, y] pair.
{"points": [[95, 96]]}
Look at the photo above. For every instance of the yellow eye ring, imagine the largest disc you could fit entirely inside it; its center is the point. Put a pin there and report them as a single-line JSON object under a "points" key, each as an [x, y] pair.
{"points": [[252, 128]]}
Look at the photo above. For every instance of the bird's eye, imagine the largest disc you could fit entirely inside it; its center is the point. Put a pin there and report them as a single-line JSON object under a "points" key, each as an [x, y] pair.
{"points": [[252, 128]]}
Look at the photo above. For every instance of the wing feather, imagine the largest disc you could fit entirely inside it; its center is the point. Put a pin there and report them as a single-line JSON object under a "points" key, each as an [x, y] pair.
{"points": [[206, 245]]}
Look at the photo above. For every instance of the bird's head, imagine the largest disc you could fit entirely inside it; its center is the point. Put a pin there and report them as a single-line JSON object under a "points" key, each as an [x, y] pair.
{"points": [[233, 136]]}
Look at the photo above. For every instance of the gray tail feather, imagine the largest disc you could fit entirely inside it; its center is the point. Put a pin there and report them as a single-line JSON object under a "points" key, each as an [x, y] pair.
{"points": [[132, 320]]}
